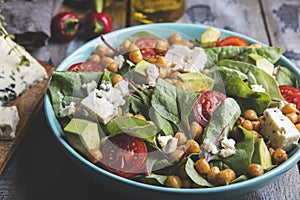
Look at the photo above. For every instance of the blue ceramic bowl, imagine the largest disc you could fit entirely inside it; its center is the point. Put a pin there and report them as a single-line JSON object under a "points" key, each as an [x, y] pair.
{"points": [[146, 190]]}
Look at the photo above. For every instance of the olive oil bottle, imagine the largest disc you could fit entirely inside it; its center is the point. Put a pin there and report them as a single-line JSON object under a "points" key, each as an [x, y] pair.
{"points": [[155, 11]]}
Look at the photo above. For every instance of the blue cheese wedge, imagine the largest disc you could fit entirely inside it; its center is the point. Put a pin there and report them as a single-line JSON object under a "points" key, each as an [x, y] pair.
{"points": [[9, 119], [15, 78], [279, 130]]}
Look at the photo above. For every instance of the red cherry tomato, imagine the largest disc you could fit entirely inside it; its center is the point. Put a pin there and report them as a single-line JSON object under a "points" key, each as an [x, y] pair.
{"points": [[206, 105], [290, 94], [147, 47], [232, 41], [87, 66], [124, 155]]}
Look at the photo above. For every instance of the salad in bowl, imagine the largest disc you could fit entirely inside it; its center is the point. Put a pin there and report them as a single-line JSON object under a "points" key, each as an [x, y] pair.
{"points": [[171, 109]]}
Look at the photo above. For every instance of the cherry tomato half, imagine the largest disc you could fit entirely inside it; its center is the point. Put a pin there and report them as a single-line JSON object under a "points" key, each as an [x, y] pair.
{"points": [[124, 155], [206, 105], [87, 66], [290, 94], [147, 47], [232, 41]]}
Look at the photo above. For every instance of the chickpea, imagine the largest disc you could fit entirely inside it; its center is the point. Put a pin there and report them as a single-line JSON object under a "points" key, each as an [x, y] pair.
{"points": [[250, 114], [152, 60], [181, 138], [161, 61], [174, 181], [94, 155], [182, 173], [247, 124], [202, 166], [124, 47], [255, 45], [162, 45], [255, 170], [256, 135], [175, 155], [241, 119], [187, 183], [225, 177], [186, 43], [128, 114], [116, 79], [212, 174], [298, 126], [289, 108], [279, 156], [100, 50], [271, 150], [109, 63], [140, 116], [174, 38], [135, 56], [109, 52], [255, 125], [196, 130], [192, 146], [293, 117], [95, 57], [163, 72]]}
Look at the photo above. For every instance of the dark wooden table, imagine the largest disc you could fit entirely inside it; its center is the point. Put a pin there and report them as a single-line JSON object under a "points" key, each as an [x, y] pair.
{"points": [[40, 170]]}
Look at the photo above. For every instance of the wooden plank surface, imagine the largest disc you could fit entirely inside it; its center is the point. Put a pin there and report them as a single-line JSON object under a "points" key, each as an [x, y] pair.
{"points": [[28, 104], [283, 24]]}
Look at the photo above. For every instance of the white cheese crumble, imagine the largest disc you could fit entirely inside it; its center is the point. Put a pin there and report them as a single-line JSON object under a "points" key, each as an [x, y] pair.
{"points": [[119, 61], [9, 119], [168, 143], [186, 59], [209, 146], [228, 147], [152, 74], [279, 130], [104, 104], [258, 88], [122, 86], [68, 110], [90, 86]]}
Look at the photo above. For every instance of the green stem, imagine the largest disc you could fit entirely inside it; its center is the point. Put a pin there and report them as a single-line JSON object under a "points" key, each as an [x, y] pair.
{"points": [[98, 5]]}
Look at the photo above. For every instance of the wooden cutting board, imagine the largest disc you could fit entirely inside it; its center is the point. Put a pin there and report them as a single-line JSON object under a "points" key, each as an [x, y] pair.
{"points": [[28, 105]]}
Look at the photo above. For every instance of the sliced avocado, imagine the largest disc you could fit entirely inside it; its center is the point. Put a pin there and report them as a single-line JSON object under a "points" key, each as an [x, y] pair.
{"points": [[82, 134], [261, 154], [210, 37], [262, 63], [196, 81], [139, 71]]}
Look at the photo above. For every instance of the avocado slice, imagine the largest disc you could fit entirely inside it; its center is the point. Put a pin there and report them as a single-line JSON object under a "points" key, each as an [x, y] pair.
{"points": [[196, 81], [261, 154], [82, 135], [262, 63], [139, 71], [210, 37]]}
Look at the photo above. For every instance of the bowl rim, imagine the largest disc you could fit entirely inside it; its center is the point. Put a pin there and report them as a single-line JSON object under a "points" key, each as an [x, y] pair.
{"points": [[282, 168]]}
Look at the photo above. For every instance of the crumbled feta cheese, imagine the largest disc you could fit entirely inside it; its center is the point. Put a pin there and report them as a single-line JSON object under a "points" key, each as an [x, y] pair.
{"points": [[279, 130], [68, 110], [228, 147], [186, 59], [122, 86], [152, 74], [104, 104], [119, 60], [90, 86], [168, 143], [105, 85], [9, 119], [258, 88], [209, 146]]}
